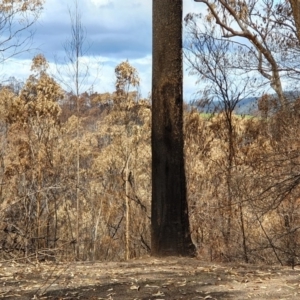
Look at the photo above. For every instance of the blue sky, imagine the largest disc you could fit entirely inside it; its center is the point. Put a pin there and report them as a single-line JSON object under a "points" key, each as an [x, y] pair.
{"points": [[116, 30]]}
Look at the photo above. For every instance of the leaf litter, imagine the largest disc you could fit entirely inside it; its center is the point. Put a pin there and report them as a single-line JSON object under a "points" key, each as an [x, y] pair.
{"points": [[148, 278]]}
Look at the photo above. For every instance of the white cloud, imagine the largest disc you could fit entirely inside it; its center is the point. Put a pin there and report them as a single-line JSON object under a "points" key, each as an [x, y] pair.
{"points": [[118, 30], [19, 69], [101, 2]]}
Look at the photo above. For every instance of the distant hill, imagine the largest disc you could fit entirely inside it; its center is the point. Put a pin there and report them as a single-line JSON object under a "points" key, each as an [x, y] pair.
{"points": [[247, 106]]}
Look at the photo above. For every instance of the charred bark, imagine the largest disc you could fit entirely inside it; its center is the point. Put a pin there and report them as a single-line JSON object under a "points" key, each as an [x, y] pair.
{"points": [[170, 222]]}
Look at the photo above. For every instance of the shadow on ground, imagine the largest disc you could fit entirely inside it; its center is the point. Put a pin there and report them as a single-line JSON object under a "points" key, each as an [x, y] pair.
{"points": [[149, 278]]}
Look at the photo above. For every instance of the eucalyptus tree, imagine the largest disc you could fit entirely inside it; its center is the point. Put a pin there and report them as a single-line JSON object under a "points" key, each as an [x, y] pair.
{"points": [[268, 33], [211, 58], [295, 9], [170, 219], [73, 73]]}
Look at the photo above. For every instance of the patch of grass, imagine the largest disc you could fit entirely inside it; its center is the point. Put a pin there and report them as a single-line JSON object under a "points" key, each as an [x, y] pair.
{"points": [[206, 115], [247, 117]]}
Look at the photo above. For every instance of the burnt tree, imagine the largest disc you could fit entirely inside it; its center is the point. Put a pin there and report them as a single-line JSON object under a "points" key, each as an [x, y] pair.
{"points": [[170, 221]]}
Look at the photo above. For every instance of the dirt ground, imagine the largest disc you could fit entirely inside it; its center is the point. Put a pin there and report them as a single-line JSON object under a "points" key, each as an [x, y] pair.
{"points": [[148, 278]]}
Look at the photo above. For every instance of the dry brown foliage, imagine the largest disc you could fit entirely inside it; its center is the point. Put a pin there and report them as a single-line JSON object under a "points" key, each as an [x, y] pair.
{"points": [[260, 223]]}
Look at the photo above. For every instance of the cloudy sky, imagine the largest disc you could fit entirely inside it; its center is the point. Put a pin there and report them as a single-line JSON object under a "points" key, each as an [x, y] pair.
{"points": [[116, 30]]}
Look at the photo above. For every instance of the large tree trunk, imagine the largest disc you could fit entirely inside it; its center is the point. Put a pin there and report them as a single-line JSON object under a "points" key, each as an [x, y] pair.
{"points": [[170, 223], [295, 4]]}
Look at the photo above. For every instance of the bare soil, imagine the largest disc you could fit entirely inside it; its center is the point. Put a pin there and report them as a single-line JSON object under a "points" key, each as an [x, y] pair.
{"points": [[148, 278]]}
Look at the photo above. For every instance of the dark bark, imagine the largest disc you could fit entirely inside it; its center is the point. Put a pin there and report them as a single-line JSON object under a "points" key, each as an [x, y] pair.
{"points": [[170, 222]]}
